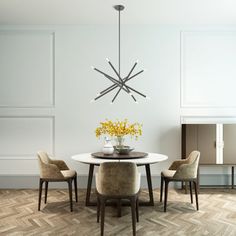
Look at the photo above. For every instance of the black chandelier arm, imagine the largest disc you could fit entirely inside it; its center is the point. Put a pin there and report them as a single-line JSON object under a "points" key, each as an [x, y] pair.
{"points": [[133, 98], [117, 83], [101, 95], [116, 95], [125, 80], [115, 71], [114, 85], [106, 75], [131, 70], [136, 91], [134, 75]]}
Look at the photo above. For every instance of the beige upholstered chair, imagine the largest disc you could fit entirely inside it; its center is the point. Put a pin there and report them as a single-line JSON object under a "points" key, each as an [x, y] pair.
{"points": [[182, 170], [117, 180], [55, 171]]}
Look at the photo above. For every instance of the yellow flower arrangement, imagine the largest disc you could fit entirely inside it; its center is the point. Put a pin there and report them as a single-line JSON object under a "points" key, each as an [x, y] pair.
{"points": [[119, 128]]}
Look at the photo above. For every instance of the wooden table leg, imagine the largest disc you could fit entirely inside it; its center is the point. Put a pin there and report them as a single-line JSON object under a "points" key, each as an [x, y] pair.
{"points": [[89, 186], [149, 182], [232, 176]]}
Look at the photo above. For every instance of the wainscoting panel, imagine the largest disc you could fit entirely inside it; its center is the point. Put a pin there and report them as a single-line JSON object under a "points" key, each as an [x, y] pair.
{"points": [[21, 136], [208, 69], [26, 69]]}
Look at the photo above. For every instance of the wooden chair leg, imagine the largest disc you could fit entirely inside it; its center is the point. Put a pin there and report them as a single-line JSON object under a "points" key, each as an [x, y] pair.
{"points": [[133, 211], [196, 193], [46, 192], [137, 209], [119, 206], [40, 193], [76, 191], [98, 209], [166, 194], [70, 193], [191, 192], [186, 187], [161, 191], [102, 206]]}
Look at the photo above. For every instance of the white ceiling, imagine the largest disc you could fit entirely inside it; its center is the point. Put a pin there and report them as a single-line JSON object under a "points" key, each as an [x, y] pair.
{"points": [[101, 12]]}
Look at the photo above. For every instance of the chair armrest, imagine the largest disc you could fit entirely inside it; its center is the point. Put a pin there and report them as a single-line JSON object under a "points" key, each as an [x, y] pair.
{"points": [[186, 171], [60, 164], [176, 164], [51, 171]]}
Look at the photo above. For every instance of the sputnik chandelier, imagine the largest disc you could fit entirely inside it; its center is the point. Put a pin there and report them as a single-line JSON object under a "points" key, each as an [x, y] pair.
{"points": [[119, 82]]}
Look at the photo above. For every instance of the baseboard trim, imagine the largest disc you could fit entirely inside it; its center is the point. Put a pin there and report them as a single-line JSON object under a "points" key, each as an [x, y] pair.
{"points": [[31, 181]]}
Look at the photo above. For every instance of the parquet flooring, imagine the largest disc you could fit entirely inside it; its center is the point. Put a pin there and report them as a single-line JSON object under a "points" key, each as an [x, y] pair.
{"points": [[19, 215]]}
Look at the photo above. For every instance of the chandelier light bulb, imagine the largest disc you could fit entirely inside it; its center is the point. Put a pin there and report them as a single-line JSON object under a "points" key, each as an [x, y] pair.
{"points": [[148, 98], [107, 59], [92, 67]]}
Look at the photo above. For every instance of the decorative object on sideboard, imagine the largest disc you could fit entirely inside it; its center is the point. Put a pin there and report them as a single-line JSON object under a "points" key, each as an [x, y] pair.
{"points": [[119, 82]]}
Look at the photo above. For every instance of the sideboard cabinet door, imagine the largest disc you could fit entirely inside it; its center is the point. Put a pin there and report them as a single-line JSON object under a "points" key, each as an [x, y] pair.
{"points": [[201, 137], [229, 137]]}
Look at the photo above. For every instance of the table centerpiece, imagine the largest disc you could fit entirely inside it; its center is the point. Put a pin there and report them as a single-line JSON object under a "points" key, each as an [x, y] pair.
{"points": [[117, 130]]}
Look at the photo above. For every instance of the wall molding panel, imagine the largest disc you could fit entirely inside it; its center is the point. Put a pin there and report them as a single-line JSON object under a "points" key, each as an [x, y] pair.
{"points": [[206, 74], [20, 136], [207, 119], [27, 69]]}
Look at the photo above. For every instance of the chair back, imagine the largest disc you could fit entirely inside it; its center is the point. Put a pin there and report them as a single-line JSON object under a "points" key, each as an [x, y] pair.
{"points": [[48, 170], [43, 157], [118, 179], [189, 170]]}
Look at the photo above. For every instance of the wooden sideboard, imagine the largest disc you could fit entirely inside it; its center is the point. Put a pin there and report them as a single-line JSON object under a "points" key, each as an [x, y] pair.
{"points": [[216, 142]]}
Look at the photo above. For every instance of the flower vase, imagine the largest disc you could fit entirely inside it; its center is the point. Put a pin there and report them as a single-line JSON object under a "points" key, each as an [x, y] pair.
{"points": [[120, 141]]}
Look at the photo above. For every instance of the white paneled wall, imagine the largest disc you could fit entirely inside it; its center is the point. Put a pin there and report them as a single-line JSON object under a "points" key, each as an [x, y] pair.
{"points": [[208, 62], [27, 69], [21, 136], [46, 84]]}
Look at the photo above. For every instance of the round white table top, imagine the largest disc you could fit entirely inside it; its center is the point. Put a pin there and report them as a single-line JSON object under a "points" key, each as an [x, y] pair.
{"points": [[152, 158]]}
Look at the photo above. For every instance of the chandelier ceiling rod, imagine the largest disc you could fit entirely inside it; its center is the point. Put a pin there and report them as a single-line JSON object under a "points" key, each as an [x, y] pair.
{"points": [[119, 9]]}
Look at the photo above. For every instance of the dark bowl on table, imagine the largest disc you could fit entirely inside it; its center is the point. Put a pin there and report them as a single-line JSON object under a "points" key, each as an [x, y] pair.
{"points": [[123, 149]]}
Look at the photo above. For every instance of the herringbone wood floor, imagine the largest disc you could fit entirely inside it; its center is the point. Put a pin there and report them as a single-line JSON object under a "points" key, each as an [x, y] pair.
{"points": [[19, 215]]}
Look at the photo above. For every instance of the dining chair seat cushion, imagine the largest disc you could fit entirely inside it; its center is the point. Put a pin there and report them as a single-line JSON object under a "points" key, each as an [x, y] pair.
{"points": [[68, 173], [168, 173], [118, 179]]}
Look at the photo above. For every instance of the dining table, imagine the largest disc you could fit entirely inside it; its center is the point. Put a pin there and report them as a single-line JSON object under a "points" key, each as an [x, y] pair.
{"points": [[139, 158]]}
